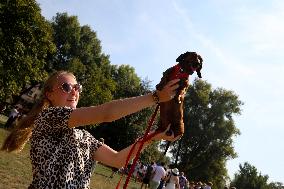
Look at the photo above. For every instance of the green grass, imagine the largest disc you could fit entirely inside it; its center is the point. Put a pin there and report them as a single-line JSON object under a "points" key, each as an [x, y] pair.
{"points": [[16, 171], [3, 119]]}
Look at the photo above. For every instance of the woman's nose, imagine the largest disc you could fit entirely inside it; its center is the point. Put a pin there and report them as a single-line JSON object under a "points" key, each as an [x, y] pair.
{"points": [[74, 91]]}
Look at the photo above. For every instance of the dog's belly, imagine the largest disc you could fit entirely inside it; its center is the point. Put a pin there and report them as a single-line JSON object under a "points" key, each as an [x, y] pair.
{"points": [[171, 113]]}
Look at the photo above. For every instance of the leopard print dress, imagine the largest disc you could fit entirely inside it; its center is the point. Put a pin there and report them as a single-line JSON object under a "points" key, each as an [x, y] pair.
{"points": [[61, 156]]}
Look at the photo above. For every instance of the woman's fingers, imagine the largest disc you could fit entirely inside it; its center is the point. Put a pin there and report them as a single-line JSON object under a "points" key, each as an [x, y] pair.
{"points": [[169, 90], [169, 137]]}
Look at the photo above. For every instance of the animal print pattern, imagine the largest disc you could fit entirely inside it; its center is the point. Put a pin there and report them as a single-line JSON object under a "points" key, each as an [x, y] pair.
{"points": [[61, 156]]}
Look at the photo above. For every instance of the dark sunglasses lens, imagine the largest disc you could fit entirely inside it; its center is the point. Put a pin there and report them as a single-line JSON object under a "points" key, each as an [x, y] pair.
{"points": [[66, 87], [78, 88]]}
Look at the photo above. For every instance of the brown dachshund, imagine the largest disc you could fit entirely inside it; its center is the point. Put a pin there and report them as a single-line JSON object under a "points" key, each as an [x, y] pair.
{"points": [[171, 112]]}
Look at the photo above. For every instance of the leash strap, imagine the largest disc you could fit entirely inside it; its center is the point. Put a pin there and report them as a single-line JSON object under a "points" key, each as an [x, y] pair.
{"points": [[145, 138]]}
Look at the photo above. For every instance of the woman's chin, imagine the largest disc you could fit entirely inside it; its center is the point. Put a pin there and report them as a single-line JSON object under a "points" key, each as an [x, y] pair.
{"points": [[72, 104]]}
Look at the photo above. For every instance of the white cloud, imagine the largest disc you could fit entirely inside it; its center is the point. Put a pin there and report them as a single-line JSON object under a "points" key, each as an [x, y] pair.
{"points": [[263, 29]]}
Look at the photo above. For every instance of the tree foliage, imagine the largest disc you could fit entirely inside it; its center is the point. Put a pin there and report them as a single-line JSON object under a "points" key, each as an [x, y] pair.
{"points": [[276, 185], [209, 127], [248, 177], [123, 132], [79, 51], [26, 42]]}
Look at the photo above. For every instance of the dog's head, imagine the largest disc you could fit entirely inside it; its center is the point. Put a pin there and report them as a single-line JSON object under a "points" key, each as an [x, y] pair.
{"points": [[190, 62]]}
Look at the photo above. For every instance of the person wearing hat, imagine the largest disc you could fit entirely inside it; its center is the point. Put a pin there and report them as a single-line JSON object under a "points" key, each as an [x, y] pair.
{"points": [[208, 185], [173, 179], [198, 185]]}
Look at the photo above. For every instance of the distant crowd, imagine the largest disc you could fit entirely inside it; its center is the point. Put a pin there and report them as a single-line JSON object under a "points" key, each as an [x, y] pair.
{"points": [[158, 176]]}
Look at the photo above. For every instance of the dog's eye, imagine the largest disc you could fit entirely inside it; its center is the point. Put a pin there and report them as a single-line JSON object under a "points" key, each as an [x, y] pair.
{"points": [[195, 64]]}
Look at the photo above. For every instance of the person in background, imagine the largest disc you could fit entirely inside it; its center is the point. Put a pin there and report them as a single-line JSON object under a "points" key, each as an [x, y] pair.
{"points": [[191, 185], [147, 176], [135, 172], [12, 116], [187, 185], [208, 185], [141, 172], [62, 156], [198, 185], [172, 180], [158, 175], [182, 180]]}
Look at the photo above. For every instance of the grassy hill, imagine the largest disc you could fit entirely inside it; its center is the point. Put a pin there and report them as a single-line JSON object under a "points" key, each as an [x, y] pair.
{"points": [[16, 171]]}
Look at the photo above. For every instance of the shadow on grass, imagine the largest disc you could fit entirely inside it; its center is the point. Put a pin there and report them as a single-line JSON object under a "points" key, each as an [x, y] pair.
{"points": [[101, 174]]}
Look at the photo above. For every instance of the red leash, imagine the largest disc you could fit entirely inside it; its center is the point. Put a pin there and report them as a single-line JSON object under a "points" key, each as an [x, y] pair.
{"points": [[145, 138]]}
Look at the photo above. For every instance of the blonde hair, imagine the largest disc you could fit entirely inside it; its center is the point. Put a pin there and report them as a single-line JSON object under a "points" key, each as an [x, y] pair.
{"points": [[18, 137]]}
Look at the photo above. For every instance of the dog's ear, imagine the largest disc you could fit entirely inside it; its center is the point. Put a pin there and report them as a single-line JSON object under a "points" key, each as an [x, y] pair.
{"points": [[198, 71], [182, 56]]}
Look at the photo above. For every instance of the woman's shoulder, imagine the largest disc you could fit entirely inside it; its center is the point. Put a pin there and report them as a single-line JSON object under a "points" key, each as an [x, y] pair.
{"points": [[56, 108], [56, 116], [55, 111]]}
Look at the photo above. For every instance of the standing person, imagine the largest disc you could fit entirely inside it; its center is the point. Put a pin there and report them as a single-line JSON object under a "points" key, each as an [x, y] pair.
{"points": [[135, 172], [141, 172], [12, 116], [198, 185], [192, 185], [182, 180], [62, 156], [187, 185], [208, 185], [158, 175], [172, 180], [147, 175]]}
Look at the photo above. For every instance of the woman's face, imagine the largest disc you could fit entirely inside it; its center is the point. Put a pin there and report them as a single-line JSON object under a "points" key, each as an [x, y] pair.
{"points": [[61, 96]]}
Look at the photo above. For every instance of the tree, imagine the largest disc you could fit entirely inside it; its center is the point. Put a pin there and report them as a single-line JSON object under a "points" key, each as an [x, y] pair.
{"points": [[276, 185], [26, 42], [124, 131], [209, 127], [79, 51], [248, 177]]}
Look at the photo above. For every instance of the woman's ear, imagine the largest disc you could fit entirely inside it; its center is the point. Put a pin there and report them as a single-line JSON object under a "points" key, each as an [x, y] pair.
{"points": [[48, 96]]}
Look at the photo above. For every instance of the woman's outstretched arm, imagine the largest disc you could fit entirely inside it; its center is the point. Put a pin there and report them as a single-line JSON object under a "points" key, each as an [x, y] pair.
{"points": [[110, 157], [119, 108]]}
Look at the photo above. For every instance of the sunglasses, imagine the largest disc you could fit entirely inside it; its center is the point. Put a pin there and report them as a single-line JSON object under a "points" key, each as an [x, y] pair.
{"points": [[67, 87]]}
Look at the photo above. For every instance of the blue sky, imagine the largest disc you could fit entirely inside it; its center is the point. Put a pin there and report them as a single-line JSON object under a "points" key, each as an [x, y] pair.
{"points": [[242, 45]]}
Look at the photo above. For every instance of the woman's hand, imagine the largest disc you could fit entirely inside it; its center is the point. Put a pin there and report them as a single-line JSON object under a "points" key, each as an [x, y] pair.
{"points": [[165, 136], [169, 91]]}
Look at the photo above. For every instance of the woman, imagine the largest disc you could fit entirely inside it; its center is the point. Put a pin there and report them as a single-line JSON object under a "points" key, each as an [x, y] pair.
{"points": [[173, 179], [62, 156]]}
